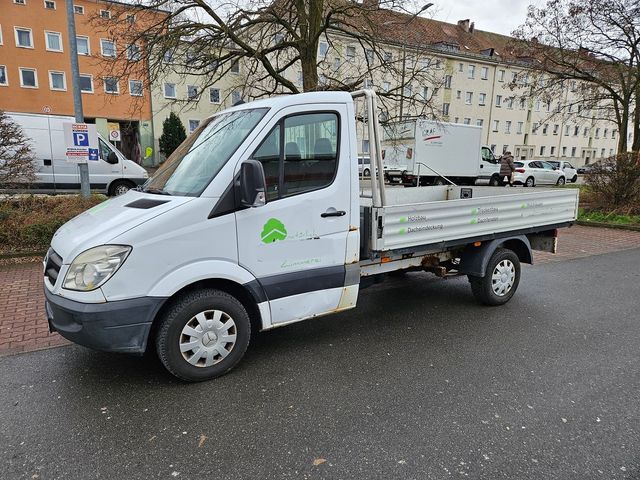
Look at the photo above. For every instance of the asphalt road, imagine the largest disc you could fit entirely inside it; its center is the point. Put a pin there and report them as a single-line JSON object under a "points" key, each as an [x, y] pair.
{"points": [[417, 383]]}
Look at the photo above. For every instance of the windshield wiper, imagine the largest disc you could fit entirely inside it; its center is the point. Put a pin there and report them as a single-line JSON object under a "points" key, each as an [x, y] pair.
{"points": [[156, 191]]}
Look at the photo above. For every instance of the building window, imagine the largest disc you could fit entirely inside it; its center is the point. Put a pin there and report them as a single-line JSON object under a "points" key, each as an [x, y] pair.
{"points": [[193, 125], [20, 2], [479, 122], [28, 77], [408, 89], [108, 48], [545, 128], [498, 101], [169, 90], [24, 38], [493, 147], [456, 120], [3, 76], [133, 52], [57, 81], [235, 67], [553, 151], [447, 81], [368, 83], [388, 56], [467, 121], [534, 128], [509, 101], [505, 148], [324, 49], [369, 55], [445, 109], [425, 93], [351, 52], [522, 103], [507, 127], [472, 71], [386, 86], [106, 14], [54, 41], [135, 88], [468, 99], [603, 152], [459, 94], [484, 73], [496, 125], [520, 125], [482, 99], [214, 95], [86, 83], [564, 151], [541, 151], [501, 75], [49, 4], [461, 67], [597, 133], [606, 133], [83, 45], [192, 92], [111, 85], [236, 96], [573, 151], [78, 9], [556, 129]]}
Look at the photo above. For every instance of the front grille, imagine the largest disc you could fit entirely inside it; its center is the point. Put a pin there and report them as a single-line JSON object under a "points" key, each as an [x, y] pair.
{"points": [[52, 268]]}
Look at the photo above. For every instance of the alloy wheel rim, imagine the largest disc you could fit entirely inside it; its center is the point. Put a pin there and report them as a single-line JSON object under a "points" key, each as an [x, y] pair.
{"points": [[503, 277], [208, 338]]}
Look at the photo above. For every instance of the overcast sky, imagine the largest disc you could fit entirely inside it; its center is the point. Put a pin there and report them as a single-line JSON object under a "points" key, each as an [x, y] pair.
{"points": [[499, 16]]}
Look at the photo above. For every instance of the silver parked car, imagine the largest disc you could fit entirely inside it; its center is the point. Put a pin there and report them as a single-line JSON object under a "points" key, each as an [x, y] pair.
{"points": [[537, 172], [570, 172]]}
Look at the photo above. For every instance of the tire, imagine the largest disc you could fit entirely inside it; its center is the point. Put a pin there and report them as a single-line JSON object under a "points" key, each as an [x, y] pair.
{"points": [[530, 182], [201, 319], [561, 181], [575, 178], [505, 266], [120, 187], [366, 172], [495, 181]]}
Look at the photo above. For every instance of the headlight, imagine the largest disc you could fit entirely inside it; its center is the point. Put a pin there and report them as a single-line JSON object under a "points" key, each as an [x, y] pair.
{"points": [[95, 266]]}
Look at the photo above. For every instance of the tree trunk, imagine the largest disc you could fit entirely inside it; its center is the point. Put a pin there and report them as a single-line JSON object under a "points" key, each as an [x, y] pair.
{"points": [[310, 18], [636, 124], [623, 125]]}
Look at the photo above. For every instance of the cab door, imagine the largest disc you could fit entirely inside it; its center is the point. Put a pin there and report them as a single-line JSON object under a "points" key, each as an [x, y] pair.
{"points": [[295, 245], [102, 173]]}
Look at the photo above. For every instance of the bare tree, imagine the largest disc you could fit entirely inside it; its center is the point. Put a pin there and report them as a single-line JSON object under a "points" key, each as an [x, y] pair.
{"points": [[587, 54], [291, 46], [16, 156]]}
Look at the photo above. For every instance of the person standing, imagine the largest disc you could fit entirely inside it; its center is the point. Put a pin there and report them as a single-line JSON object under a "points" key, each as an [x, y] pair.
{"points": [[507, 168]]}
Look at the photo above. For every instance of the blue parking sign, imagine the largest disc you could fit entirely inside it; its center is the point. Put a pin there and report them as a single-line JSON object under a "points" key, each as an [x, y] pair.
{"points": [[81, 139], [93, 154]]}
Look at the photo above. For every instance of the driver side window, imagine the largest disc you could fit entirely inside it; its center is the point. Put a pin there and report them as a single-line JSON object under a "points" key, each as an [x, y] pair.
{"points": [[104, 149]]}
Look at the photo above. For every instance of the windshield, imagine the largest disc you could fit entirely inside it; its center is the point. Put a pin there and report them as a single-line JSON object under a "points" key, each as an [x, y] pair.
{"points": [[193, 165]]}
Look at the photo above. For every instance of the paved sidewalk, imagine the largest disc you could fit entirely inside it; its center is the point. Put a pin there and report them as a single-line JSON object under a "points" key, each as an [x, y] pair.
{"points": [[23, 325]]}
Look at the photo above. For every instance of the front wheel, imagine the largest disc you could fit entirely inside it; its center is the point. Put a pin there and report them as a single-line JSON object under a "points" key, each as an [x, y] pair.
{"points": [[530, 182], [561, 181], [500, 281], [203, 335], [120, 187], [495, 181]]}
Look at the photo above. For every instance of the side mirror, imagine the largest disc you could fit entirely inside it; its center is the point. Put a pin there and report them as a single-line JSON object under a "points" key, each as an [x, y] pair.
{"points": [[112, 158], [555, 168], [253, 186]]}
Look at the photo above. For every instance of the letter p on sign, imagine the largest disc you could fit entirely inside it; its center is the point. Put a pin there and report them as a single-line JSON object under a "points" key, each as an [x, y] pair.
{"points": [[80, 139]]}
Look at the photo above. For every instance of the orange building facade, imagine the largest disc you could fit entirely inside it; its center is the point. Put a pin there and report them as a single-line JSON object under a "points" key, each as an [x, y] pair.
{"points": [[35, 67]]}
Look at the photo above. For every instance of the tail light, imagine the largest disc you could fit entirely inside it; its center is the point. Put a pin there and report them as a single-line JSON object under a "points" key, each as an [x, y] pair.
{"points": [[520, 170]]}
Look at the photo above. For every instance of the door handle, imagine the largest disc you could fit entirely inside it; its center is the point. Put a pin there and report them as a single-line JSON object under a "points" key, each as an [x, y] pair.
{"points": [[335, 213]]}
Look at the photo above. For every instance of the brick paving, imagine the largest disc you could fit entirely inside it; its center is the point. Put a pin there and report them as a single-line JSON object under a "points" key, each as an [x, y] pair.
{"points": [[23, 324]]}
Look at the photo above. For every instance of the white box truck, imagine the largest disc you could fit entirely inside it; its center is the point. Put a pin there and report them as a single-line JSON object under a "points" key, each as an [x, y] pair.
{"points": [[257, 221], [425, 152], [112, 173]]}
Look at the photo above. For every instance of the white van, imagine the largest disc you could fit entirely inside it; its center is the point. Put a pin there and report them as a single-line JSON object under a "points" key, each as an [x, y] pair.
{"points": [[258, 220], [112, 174]]}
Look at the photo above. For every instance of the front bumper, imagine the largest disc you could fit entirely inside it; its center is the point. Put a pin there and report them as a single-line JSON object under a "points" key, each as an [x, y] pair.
{"points": [[121, 326]]}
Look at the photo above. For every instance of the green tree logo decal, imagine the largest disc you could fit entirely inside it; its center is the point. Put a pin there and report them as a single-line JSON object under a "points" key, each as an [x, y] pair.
{"points": [[273, 230]]}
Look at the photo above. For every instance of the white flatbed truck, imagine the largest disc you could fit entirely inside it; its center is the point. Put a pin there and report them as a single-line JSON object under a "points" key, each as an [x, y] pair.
{"points": [[258, 221]]}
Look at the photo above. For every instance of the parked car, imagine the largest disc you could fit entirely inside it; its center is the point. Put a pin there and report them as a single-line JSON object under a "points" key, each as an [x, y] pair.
{"points": [[364, 166], [570, 172], [584, 169], [536, 172]]}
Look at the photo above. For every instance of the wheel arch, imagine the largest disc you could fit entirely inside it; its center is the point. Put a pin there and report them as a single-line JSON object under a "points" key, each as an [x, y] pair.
{"points": [[474, 260]]}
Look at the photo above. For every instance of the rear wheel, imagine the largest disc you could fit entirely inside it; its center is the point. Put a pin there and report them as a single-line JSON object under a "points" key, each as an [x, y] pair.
{"points": [[500, 281], [439, 181], [530, 182], [575, 178], [561, 181], [203, 335], [120, 187]]}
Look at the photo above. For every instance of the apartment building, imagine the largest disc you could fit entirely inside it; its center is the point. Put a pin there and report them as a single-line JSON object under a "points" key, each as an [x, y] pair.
{"points": [[35, 71]]}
